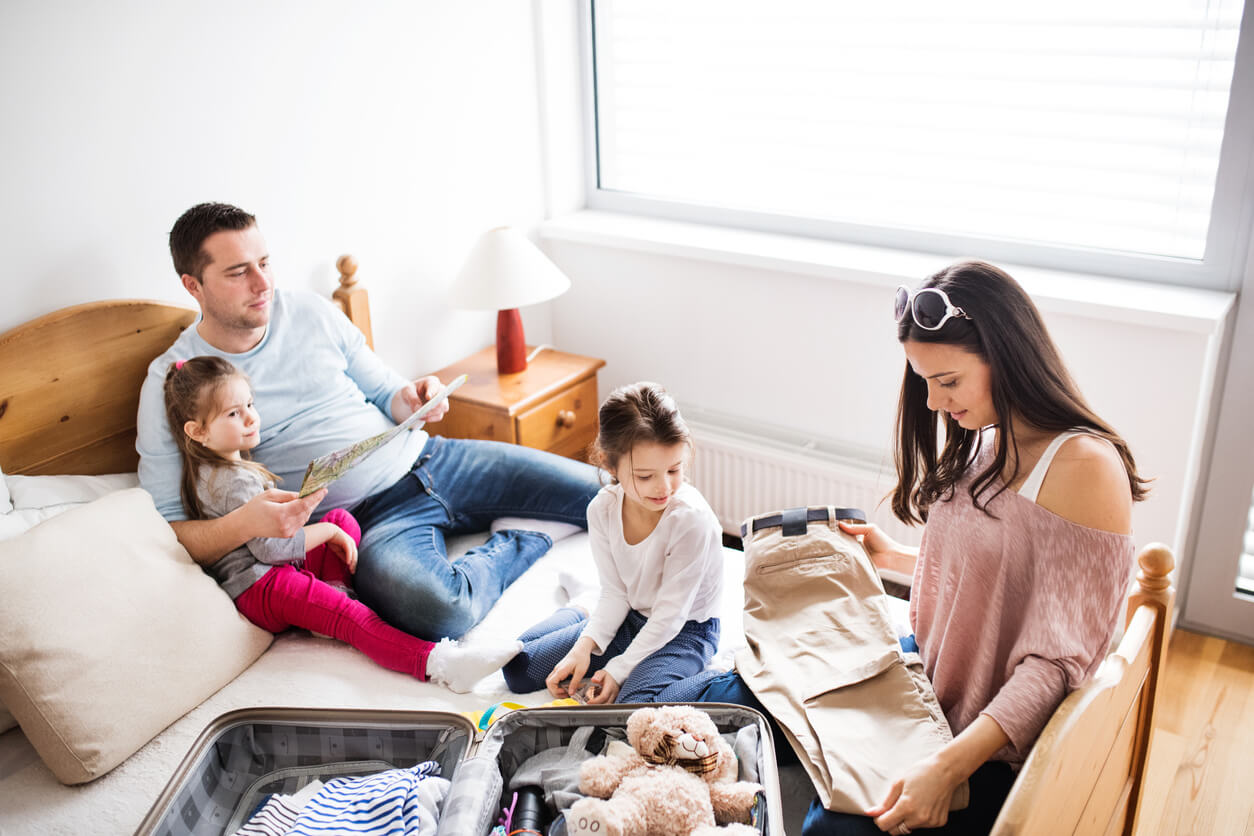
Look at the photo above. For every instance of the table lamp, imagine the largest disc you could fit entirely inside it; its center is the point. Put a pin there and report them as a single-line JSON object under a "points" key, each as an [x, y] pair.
{"points": [[505, 272]]}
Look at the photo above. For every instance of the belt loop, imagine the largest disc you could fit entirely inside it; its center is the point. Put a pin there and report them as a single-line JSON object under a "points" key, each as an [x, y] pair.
{"points": [[794, 521]]}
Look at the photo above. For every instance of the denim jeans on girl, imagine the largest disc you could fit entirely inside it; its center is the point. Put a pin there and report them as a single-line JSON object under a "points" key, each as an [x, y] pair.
{"points": [[546, 643], [458, 486]]}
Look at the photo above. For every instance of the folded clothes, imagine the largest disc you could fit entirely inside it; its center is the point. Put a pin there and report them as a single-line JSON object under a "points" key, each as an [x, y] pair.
{"points": [[396, 800]]}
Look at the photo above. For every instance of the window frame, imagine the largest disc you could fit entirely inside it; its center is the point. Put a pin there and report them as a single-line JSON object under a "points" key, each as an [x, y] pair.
{"points": [[1221, 267]]}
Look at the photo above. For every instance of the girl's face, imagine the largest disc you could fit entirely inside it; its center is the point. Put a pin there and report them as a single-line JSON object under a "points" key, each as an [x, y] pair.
{"points": [[958, 382], [651, 473], [233, 424]]}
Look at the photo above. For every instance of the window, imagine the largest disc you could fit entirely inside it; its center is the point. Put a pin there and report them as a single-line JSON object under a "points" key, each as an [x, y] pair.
{"points": [[1070, 133]]}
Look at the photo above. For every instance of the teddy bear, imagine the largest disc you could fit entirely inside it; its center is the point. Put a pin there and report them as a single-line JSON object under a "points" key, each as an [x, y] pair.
{"points": [[679, 778]]}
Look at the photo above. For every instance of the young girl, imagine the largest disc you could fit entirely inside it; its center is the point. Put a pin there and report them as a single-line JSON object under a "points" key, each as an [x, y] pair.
{"points": [[658, 551], [302, 581]]}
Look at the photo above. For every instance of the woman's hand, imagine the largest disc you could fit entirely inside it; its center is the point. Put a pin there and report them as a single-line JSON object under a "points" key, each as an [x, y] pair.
{"points": [[344, 546], [604, 688], [920, 798], [884, 551], [572, 667]]}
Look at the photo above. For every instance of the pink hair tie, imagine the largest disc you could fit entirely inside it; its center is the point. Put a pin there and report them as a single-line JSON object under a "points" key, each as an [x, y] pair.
{"points": [[178, 364]]}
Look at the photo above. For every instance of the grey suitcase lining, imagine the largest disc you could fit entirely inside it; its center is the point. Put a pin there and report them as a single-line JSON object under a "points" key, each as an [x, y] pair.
{"points": [[253, 752], [249, 753], [475, 799]]}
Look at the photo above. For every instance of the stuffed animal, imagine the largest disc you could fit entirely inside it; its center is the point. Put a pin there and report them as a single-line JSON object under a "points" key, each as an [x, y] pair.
{"points": [[679, 779]]}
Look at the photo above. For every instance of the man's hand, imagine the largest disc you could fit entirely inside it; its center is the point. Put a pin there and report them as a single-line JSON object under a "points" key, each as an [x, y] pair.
{"points": [[278, 513], [413, 395]]}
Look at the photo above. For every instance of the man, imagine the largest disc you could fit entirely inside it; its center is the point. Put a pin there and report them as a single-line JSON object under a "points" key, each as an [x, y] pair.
{"points": [[318, 388]]}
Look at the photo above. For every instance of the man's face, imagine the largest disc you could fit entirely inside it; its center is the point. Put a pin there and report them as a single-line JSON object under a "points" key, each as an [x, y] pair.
{"points": [[236, 289]]}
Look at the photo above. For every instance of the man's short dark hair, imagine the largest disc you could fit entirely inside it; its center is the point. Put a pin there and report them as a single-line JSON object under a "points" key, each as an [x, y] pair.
{"points": [[188, 236]]}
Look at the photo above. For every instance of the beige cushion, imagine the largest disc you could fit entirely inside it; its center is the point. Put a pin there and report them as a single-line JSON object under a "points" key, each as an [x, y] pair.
{"points": [[109, 632]]}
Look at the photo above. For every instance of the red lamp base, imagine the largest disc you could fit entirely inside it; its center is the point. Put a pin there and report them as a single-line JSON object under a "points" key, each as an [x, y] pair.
{"points": [[511, 348]]}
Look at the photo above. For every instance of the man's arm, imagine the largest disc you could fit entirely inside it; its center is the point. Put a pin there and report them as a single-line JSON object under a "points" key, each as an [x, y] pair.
{"points": [[272, 513]]}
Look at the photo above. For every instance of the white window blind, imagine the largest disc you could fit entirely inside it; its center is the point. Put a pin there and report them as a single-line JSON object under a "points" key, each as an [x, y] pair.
{"points": [[1077, 124]]}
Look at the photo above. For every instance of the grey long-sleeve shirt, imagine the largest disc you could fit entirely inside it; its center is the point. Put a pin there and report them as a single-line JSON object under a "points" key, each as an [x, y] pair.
{"points": [[221, 491]]}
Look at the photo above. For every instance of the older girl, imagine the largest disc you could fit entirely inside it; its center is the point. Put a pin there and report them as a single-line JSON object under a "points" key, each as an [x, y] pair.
{"points": [[658, 552]]}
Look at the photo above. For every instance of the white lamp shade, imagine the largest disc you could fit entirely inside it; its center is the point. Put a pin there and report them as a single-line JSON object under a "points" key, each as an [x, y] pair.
{"points": [[505, 270]]}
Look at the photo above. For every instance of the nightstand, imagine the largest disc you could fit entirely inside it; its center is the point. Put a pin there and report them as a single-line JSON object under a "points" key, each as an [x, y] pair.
{"points": [[551, 405]]}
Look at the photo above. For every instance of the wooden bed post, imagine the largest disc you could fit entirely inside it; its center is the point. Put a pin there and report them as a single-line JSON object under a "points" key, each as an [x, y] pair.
{"points": [[353, 300], [1154, 590]]}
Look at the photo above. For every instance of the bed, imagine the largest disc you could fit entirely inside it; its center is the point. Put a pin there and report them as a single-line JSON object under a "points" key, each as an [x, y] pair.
{"points": [[69, 384]]}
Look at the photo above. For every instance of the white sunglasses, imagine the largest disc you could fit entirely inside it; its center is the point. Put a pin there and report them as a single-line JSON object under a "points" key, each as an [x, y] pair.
{"points": [[930, 307]]}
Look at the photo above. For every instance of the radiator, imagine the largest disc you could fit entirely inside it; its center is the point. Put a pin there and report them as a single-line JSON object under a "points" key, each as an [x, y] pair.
{"points": [[743, 474]]}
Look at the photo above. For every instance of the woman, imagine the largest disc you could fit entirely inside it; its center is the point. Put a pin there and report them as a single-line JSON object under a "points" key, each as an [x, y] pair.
{"points": [[1027, 496]]}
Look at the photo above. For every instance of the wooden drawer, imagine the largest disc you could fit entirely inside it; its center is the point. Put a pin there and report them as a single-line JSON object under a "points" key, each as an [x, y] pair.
{"points": [[565, 424]]}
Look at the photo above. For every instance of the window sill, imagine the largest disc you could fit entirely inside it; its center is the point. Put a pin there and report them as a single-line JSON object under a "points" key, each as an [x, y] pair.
{"points": [[1097, 297]]}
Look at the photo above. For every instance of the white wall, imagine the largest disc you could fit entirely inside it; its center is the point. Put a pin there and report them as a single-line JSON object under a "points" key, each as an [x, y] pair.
{"points": [[817, 356], [397, 131]]}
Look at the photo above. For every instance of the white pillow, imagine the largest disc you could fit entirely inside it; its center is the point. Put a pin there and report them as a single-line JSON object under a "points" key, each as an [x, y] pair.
{"points": [[43, 497], [37, 492], [109, 632]]}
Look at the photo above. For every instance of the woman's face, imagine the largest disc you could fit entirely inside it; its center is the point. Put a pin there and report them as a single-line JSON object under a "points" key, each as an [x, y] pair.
{"points": [[958, 382]]}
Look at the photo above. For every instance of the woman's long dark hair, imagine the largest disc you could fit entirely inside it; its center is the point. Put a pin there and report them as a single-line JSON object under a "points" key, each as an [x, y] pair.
{"points": [[1028, 380]]}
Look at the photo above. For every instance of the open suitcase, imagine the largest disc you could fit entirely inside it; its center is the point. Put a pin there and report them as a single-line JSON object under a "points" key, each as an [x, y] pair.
{"points": [[244, 756]]}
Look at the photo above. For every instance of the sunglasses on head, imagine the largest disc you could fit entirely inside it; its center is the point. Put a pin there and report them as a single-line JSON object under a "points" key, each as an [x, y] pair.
{"points": [[930, 307]]}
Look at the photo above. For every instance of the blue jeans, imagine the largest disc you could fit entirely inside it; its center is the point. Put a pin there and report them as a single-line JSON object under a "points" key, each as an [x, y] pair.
{"points": [[545, 644], [459, 486], [989, 786]]}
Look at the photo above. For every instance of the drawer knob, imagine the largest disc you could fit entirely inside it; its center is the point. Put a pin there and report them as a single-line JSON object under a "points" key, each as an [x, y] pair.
{"points": [[566, 418]]}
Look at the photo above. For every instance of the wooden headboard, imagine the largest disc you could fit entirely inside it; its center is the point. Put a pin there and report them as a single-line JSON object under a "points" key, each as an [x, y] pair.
{"points": [[69, 380], [1085, 774]]}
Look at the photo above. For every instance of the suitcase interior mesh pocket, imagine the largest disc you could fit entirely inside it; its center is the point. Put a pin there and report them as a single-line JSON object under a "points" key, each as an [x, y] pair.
{"points": [[251, 760]]}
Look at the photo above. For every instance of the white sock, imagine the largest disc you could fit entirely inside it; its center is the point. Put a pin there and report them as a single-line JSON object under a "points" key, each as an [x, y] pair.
{"points": [[581, 592], [555, 530], [461, 666]]}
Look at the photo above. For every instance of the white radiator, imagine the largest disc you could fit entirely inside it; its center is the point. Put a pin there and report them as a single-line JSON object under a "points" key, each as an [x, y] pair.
{"points": [[742, 475]]}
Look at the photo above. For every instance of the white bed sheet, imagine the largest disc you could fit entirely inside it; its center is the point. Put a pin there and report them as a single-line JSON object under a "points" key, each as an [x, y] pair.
{"points": [[299, 670]]}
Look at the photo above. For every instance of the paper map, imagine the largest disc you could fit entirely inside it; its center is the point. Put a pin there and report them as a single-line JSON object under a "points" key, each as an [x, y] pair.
{"points": [[324, 470]]}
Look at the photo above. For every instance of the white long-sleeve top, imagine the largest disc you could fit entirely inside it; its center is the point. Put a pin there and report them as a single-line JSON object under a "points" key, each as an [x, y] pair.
{"points": [[672, 576]]}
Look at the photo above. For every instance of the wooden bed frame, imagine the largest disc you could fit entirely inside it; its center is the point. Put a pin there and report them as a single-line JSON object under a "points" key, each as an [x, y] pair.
{"points": [[69, 380], [64, 409]]}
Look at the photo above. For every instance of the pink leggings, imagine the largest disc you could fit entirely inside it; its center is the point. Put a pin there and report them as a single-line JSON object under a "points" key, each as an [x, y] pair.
{"points": [[289, 597]]}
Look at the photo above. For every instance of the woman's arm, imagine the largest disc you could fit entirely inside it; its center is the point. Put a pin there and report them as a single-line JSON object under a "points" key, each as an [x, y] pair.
{"points": [[1087, 484], [884, 551], [921, 797]]}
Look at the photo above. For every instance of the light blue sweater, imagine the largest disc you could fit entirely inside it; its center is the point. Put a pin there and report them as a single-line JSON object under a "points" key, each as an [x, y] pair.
{"points": [[317, 387]]}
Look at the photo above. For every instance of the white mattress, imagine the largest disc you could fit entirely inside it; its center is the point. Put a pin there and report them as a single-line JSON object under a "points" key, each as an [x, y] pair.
{"points": [[299, 670]]}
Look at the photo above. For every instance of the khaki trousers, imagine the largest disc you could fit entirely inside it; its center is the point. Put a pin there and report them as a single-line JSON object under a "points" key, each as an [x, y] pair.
{"points": [[824, 659]]}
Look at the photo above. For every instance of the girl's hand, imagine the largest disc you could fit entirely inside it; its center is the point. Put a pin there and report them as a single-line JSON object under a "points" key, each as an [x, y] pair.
{"points": [[344, 546], [604, 689], [884, 551], [918, 799], [572, 667]]}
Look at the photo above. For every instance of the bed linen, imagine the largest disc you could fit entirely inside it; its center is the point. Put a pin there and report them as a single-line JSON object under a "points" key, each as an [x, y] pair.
{"points": [[298, 670]]}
